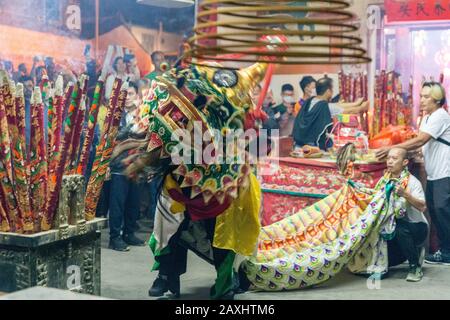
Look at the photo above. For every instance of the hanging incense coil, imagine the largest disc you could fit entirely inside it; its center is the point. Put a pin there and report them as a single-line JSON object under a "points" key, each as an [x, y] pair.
{"points": [[243, 31]]}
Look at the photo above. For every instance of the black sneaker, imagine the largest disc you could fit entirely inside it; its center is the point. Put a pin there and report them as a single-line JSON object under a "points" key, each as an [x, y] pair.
{"points": [[132, 240], [437, 258], [161, 286], [118, 244]]}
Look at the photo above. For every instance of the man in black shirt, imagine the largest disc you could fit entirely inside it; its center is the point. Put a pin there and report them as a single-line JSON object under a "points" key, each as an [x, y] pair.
{"points": [[313, 123]]}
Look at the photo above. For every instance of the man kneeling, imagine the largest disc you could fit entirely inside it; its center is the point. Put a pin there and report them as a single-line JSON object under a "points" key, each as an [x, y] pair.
{"points": [[412, 229]]}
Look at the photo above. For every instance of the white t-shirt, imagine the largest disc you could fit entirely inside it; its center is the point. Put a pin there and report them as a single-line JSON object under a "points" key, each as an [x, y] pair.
{"points": [[415, 189], [334, 107], [129, 117], [435, 153]]}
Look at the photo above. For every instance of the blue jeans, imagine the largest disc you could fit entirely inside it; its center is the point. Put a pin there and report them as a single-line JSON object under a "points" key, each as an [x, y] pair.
{"points": [[103, 201], [124, 203]]}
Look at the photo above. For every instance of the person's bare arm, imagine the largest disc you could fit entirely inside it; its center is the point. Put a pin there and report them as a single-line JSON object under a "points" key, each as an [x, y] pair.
{"points": [[349, 105], [412, 144], [416, 142], [356, 109]]}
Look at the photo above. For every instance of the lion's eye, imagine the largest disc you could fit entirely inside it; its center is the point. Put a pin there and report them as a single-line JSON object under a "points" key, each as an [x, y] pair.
{"points": [[225, 78]]}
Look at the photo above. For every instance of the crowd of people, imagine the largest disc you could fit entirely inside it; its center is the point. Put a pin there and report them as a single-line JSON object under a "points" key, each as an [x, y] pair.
{"points": [[314, 123]]}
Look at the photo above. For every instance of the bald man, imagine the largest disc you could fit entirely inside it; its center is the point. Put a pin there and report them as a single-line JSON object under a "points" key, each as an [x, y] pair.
{"points": [[411, 231], [434, 139]]}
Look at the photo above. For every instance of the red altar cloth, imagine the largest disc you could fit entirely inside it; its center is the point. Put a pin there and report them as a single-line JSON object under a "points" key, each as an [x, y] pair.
{"points": [[296, 183]]}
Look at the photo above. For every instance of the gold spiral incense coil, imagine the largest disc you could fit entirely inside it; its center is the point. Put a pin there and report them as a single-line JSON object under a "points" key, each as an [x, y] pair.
{"points": [[238, 30]]}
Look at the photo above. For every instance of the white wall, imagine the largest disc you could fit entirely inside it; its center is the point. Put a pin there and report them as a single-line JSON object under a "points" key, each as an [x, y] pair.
{"points": [[168, 41]]}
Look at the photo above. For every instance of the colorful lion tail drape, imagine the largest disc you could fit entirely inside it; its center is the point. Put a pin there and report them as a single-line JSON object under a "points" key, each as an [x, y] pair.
{"points": [[346, 229]]}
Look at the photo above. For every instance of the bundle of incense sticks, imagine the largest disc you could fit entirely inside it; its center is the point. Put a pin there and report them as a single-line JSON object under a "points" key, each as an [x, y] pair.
{"points": [[357, 93], [74, 144], [78, 112], [54, 123], [14, 216], [60, 166], [396, 103], [4, 223], [341, 79], [349, 86], [90, 128], [51, 117], [103, 151], [38, 159], [389, 107], [375, 125], [383, 100], [389, 99], [30, 183], [20, 161], [410, 104], [4, 218], [55, 147], [76, 136], [353, 86]]}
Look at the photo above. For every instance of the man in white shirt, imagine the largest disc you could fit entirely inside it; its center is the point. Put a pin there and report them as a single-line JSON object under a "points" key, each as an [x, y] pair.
{"points": [[434, 137], [411, 231]]}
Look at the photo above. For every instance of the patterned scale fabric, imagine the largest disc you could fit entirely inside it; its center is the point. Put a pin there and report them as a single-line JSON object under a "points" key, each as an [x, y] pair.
{"points": [[316, 243]]}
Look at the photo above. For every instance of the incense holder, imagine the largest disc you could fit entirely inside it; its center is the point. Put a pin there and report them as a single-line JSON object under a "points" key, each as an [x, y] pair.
{"points": [[65, 257]]}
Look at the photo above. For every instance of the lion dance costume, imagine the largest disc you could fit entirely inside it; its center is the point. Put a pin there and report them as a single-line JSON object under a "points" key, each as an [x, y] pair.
{"points": [[212, 209]]}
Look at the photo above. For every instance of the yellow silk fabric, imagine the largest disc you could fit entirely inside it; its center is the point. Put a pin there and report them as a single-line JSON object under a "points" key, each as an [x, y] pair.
{"points": [[170, 183], [238, 227]]}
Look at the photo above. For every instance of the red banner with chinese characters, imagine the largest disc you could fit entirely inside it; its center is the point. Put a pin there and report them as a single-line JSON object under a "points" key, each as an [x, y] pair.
{"points": [[417, 10]]}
